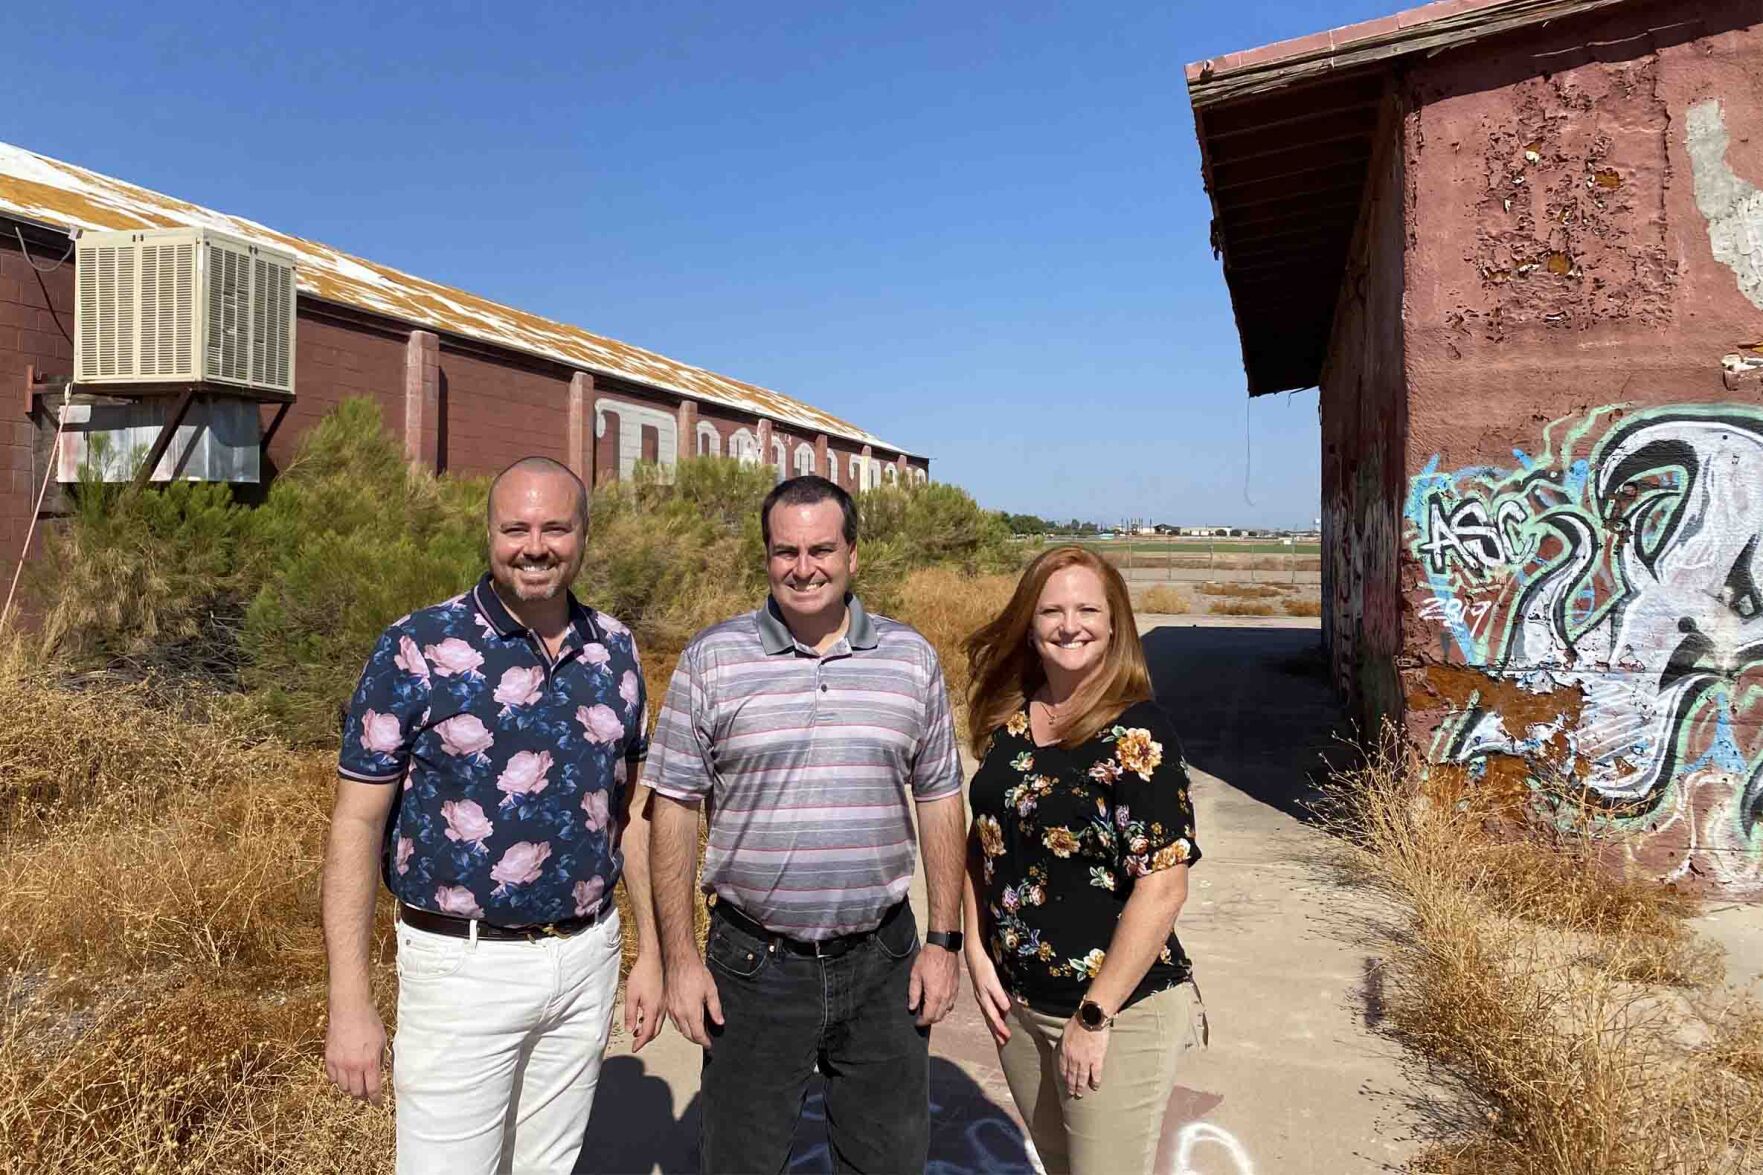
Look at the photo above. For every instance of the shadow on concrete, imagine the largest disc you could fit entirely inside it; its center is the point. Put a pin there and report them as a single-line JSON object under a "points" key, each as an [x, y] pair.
{"points": [[634, 1127], [1253, 706]]}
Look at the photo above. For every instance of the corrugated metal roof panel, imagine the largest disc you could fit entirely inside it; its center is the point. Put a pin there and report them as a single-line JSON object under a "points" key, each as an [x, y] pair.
{"points": [[38, 188]]}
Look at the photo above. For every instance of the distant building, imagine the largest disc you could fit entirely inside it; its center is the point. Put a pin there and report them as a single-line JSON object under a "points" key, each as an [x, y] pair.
{"points": [[470, 384]]}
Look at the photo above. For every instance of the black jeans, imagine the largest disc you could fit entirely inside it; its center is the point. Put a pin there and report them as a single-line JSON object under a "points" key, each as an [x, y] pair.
{"points": [[782, 1014]]}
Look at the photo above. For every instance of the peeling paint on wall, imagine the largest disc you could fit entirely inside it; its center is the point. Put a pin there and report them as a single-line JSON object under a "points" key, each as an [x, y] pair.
{"points": [[1566, 226], [1613, 576], [1732, 206]]}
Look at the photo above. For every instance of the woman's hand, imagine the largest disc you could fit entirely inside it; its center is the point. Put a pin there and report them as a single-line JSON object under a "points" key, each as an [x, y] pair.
{"points": [[1080, 1058], [988, 993]]}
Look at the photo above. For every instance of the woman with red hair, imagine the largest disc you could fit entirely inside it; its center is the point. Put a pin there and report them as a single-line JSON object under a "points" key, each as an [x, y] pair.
{"points": [[1078, 860]]}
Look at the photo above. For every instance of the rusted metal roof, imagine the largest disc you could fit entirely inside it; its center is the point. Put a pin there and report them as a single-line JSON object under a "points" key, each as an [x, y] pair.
{"points": [[1286, 136], [37, 188]]}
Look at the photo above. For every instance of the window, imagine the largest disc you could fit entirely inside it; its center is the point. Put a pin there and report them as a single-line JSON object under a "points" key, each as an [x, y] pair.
{"points": [[804, 459], [709, 440], [744, 447]]}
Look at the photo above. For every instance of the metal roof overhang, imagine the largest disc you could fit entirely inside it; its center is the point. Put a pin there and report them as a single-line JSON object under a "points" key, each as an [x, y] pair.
{"points": [[1286, 137]]}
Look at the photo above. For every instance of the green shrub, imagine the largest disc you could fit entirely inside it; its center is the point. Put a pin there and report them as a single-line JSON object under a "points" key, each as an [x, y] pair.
{"points": [[348, 540], [936, 525], [289, 597], [147, 577]]}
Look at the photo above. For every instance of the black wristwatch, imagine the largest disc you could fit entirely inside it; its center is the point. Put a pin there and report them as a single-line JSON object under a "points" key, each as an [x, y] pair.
{"points": [[1091, 1016], [949, 940]]}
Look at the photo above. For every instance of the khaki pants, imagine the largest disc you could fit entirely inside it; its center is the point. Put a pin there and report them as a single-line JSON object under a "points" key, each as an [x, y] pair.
{"points": [[1112, 1130]]}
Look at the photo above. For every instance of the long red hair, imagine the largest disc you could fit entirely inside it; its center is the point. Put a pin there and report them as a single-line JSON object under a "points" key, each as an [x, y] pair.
{"points": [[1005, 670]]}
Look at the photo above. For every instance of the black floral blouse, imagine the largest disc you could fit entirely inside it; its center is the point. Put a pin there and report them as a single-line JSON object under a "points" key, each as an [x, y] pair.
{"points": [[1061, 836]]}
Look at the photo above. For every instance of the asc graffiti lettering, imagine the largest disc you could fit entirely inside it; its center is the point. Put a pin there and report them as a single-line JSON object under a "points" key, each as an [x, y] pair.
{"points": [[1476, 537], [1623, 564]]}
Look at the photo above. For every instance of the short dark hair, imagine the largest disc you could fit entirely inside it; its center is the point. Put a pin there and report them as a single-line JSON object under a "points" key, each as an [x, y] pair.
{"points": [[807, 490], [536, 464]]}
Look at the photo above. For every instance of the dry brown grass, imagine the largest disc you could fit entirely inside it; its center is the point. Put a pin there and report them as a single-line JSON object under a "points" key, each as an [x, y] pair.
{"points": [[946, 606], [1240, 608], [1532, 981], [161, 969], [1244, 591], [1302, 607], [1165, 599]]}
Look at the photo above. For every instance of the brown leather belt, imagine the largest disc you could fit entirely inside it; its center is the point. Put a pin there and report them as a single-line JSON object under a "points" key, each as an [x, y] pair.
{"points": [[461, 927], [826, 948]]}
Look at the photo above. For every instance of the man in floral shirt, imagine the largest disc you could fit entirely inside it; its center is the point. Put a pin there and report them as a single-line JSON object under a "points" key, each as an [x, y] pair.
{"points": [[488, 761]]}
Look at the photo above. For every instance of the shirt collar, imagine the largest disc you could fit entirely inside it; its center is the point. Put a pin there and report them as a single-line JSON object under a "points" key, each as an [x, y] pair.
{"points": [[493, 610], [775, 636]]}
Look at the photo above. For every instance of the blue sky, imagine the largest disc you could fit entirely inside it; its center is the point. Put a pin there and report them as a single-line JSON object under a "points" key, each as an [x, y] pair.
{"points": [[977, 230]]}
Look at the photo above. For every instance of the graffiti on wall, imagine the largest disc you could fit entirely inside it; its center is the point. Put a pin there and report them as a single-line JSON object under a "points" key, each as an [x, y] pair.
{"points": [[1604, 594]]}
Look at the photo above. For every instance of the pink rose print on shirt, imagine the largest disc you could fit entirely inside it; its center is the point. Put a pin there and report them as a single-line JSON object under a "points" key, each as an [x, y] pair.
{"points": [[380, 733], [520, 864], [457, 901], [465, 734], [627, 689], [466, 822], [601, 723], [521, 686], [595, 654], [598, 806], [454, 658], [610, 625], [524, 775], [409, 659], [588, 894], [406, 846]]}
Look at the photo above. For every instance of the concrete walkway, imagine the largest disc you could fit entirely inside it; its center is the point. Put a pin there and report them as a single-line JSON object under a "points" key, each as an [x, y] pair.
{"points": [[1294, 1081]]}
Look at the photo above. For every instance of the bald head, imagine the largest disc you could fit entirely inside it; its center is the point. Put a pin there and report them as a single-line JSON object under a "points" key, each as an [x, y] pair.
{"points": [[527, 469], [538, 524]]}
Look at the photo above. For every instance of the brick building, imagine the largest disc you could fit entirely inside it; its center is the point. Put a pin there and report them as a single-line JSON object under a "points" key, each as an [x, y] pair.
{"points": [[470, 384], [1518, 244]]}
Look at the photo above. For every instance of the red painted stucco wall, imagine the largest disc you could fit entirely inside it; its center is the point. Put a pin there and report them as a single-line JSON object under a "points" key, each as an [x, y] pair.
{"points": [[1363, 419], [1581, 524]]}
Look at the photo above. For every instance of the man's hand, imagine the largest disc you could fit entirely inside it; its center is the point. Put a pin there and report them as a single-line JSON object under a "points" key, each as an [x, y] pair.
{"points": [[645, 1002], [935, 980], [354, 1048], [692, 1002]]}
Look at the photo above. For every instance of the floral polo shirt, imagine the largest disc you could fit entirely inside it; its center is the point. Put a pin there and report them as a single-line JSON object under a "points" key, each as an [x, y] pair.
{"points": [[512, 765], [1062, 836]]}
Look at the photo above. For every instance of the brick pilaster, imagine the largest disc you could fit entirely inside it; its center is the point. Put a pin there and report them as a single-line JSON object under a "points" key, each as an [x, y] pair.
{"points": [[581, 426], [688, 429], [422, 400], [820, 458]]}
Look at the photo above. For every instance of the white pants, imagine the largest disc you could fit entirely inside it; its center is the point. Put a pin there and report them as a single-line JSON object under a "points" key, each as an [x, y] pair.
{"points": [[497, 1049]]}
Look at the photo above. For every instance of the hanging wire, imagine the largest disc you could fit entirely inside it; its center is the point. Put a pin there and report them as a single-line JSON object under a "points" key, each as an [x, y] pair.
{"points": [[1248, 452], [25, 249], [40, 271], [43, 492]]}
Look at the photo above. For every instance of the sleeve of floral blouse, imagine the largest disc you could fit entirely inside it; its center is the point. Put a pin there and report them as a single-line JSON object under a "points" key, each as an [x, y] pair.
{"points": [[1153, 813]]}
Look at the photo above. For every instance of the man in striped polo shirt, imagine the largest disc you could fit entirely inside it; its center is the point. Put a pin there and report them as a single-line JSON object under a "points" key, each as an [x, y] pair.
{"points": [[812, 728]]}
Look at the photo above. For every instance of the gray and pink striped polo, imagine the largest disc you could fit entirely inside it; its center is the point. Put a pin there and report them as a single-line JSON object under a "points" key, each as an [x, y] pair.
{"points": [[811, 764]]}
